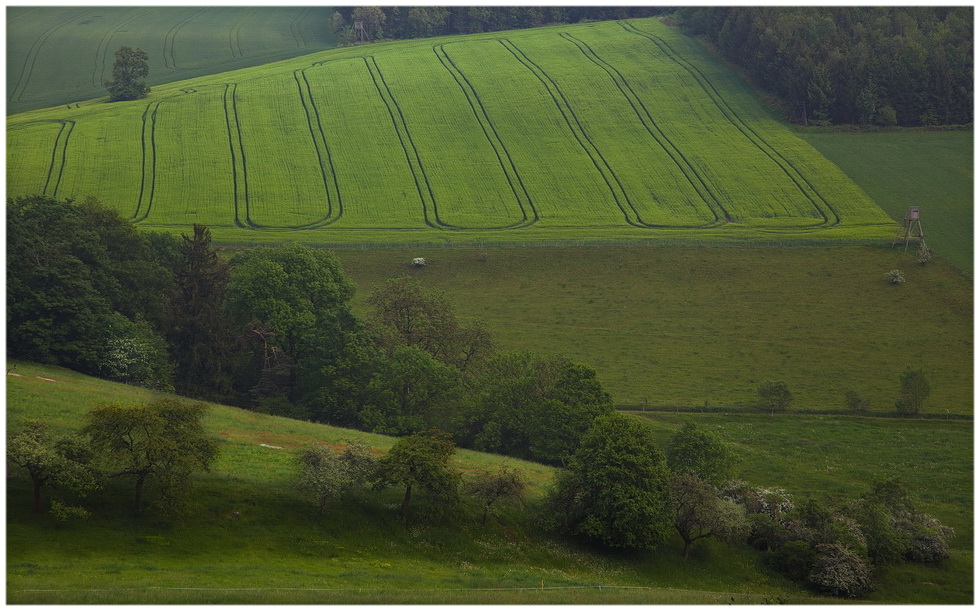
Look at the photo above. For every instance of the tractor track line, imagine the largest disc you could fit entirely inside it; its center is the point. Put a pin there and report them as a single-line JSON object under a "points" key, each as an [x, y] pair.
{"points": [[794, 174], [508, 167], [698, 183], [102, 53], [169, 60], [27, 71], [578, 131]]}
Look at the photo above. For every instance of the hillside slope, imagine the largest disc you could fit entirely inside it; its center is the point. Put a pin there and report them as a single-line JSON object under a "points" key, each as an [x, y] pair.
{"points": [[251, 538], [601, 131]]}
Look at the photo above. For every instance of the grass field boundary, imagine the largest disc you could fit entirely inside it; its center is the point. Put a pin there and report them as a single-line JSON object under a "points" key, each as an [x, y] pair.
{"points": [[698, 182], [513, 177], [751, 410], [823, 208]]}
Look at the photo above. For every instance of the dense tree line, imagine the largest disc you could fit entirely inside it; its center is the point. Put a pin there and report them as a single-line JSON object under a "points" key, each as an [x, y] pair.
{"points": [[399, 22], [271, 329], [908, 66]]}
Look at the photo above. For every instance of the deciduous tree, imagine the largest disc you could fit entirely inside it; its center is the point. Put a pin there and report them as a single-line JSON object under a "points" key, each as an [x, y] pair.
{"points": [[421, 460], [493, 486], [702, 453], [913, 391], [615, 490], [326, 475], [163, 442], [129, 72], [61, 462], [700, 513]]}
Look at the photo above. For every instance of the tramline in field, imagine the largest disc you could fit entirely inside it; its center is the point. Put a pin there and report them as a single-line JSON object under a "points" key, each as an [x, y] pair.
{"points": [[591, 131]]}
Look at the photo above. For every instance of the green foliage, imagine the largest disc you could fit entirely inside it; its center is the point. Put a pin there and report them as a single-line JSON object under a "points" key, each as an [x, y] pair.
{"points": [[421, 460], [129, 72], [895, 276], [775, 396], [701, 453], [326, 475], [856, 402], [407, 313], [198, 329], [411, 392], [869, 65], [291, 302], [489, 487], [700, 512], [63, 462], [615, 489], [913, 392], [163, 442], [532, 407], [72, 270], [135, 354]]}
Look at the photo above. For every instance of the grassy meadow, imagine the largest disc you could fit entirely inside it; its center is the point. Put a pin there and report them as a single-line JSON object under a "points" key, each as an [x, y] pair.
{"points": [[61, 55], [932, 170], [600, 131], [253, 539], [695, 327]]}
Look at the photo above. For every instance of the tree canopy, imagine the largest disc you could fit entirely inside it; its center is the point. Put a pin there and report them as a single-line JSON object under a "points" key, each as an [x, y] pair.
{"points": [[615, 490], [129, 72]]}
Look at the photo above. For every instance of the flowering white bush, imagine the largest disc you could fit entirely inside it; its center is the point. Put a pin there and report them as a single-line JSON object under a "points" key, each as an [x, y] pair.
{"points": [[895, 276], [418, 262]]}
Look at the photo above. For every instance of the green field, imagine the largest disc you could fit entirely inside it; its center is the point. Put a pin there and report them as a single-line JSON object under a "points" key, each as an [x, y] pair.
{"points": [[275, 551], [932, 170], [692, 327], [603, 131], [61, 55]]}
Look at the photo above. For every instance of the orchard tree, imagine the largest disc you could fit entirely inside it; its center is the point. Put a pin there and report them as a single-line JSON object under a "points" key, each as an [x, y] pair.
{"points": [[699, 512], [326, 475], [128, 75], [615, 490], [63, 462], [493, 486], [163, 442], [421, 460]]}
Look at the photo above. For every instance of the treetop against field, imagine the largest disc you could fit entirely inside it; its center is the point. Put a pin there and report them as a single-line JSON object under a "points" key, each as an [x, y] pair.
{"points": [[614, 130]]}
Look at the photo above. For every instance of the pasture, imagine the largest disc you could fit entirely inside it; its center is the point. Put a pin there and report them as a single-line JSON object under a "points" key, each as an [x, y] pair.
{"points": [[932, 170], [61, 55], [702, 327], [601, 131], [274, 550]]}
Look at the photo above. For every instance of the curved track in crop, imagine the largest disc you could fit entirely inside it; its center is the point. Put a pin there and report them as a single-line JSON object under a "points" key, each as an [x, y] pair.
{"points": [[27, 70], [698, 182], [529, 213], [823, 208]]}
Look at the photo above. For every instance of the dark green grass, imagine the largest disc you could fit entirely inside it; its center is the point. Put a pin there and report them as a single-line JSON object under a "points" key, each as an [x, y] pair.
{"points": [[932, 170], [253, 539], [695, 327], [62, 54]]}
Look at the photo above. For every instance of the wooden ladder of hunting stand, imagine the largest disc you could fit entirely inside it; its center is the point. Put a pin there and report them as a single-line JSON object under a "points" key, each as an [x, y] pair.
{"points": [[911, 228]]}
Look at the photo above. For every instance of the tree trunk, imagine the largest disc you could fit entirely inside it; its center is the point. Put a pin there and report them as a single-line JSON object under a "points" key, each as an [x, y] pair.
{"points": [[408, 497], [486, 510], [38, 508], [138, 501], [687, 547]]}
